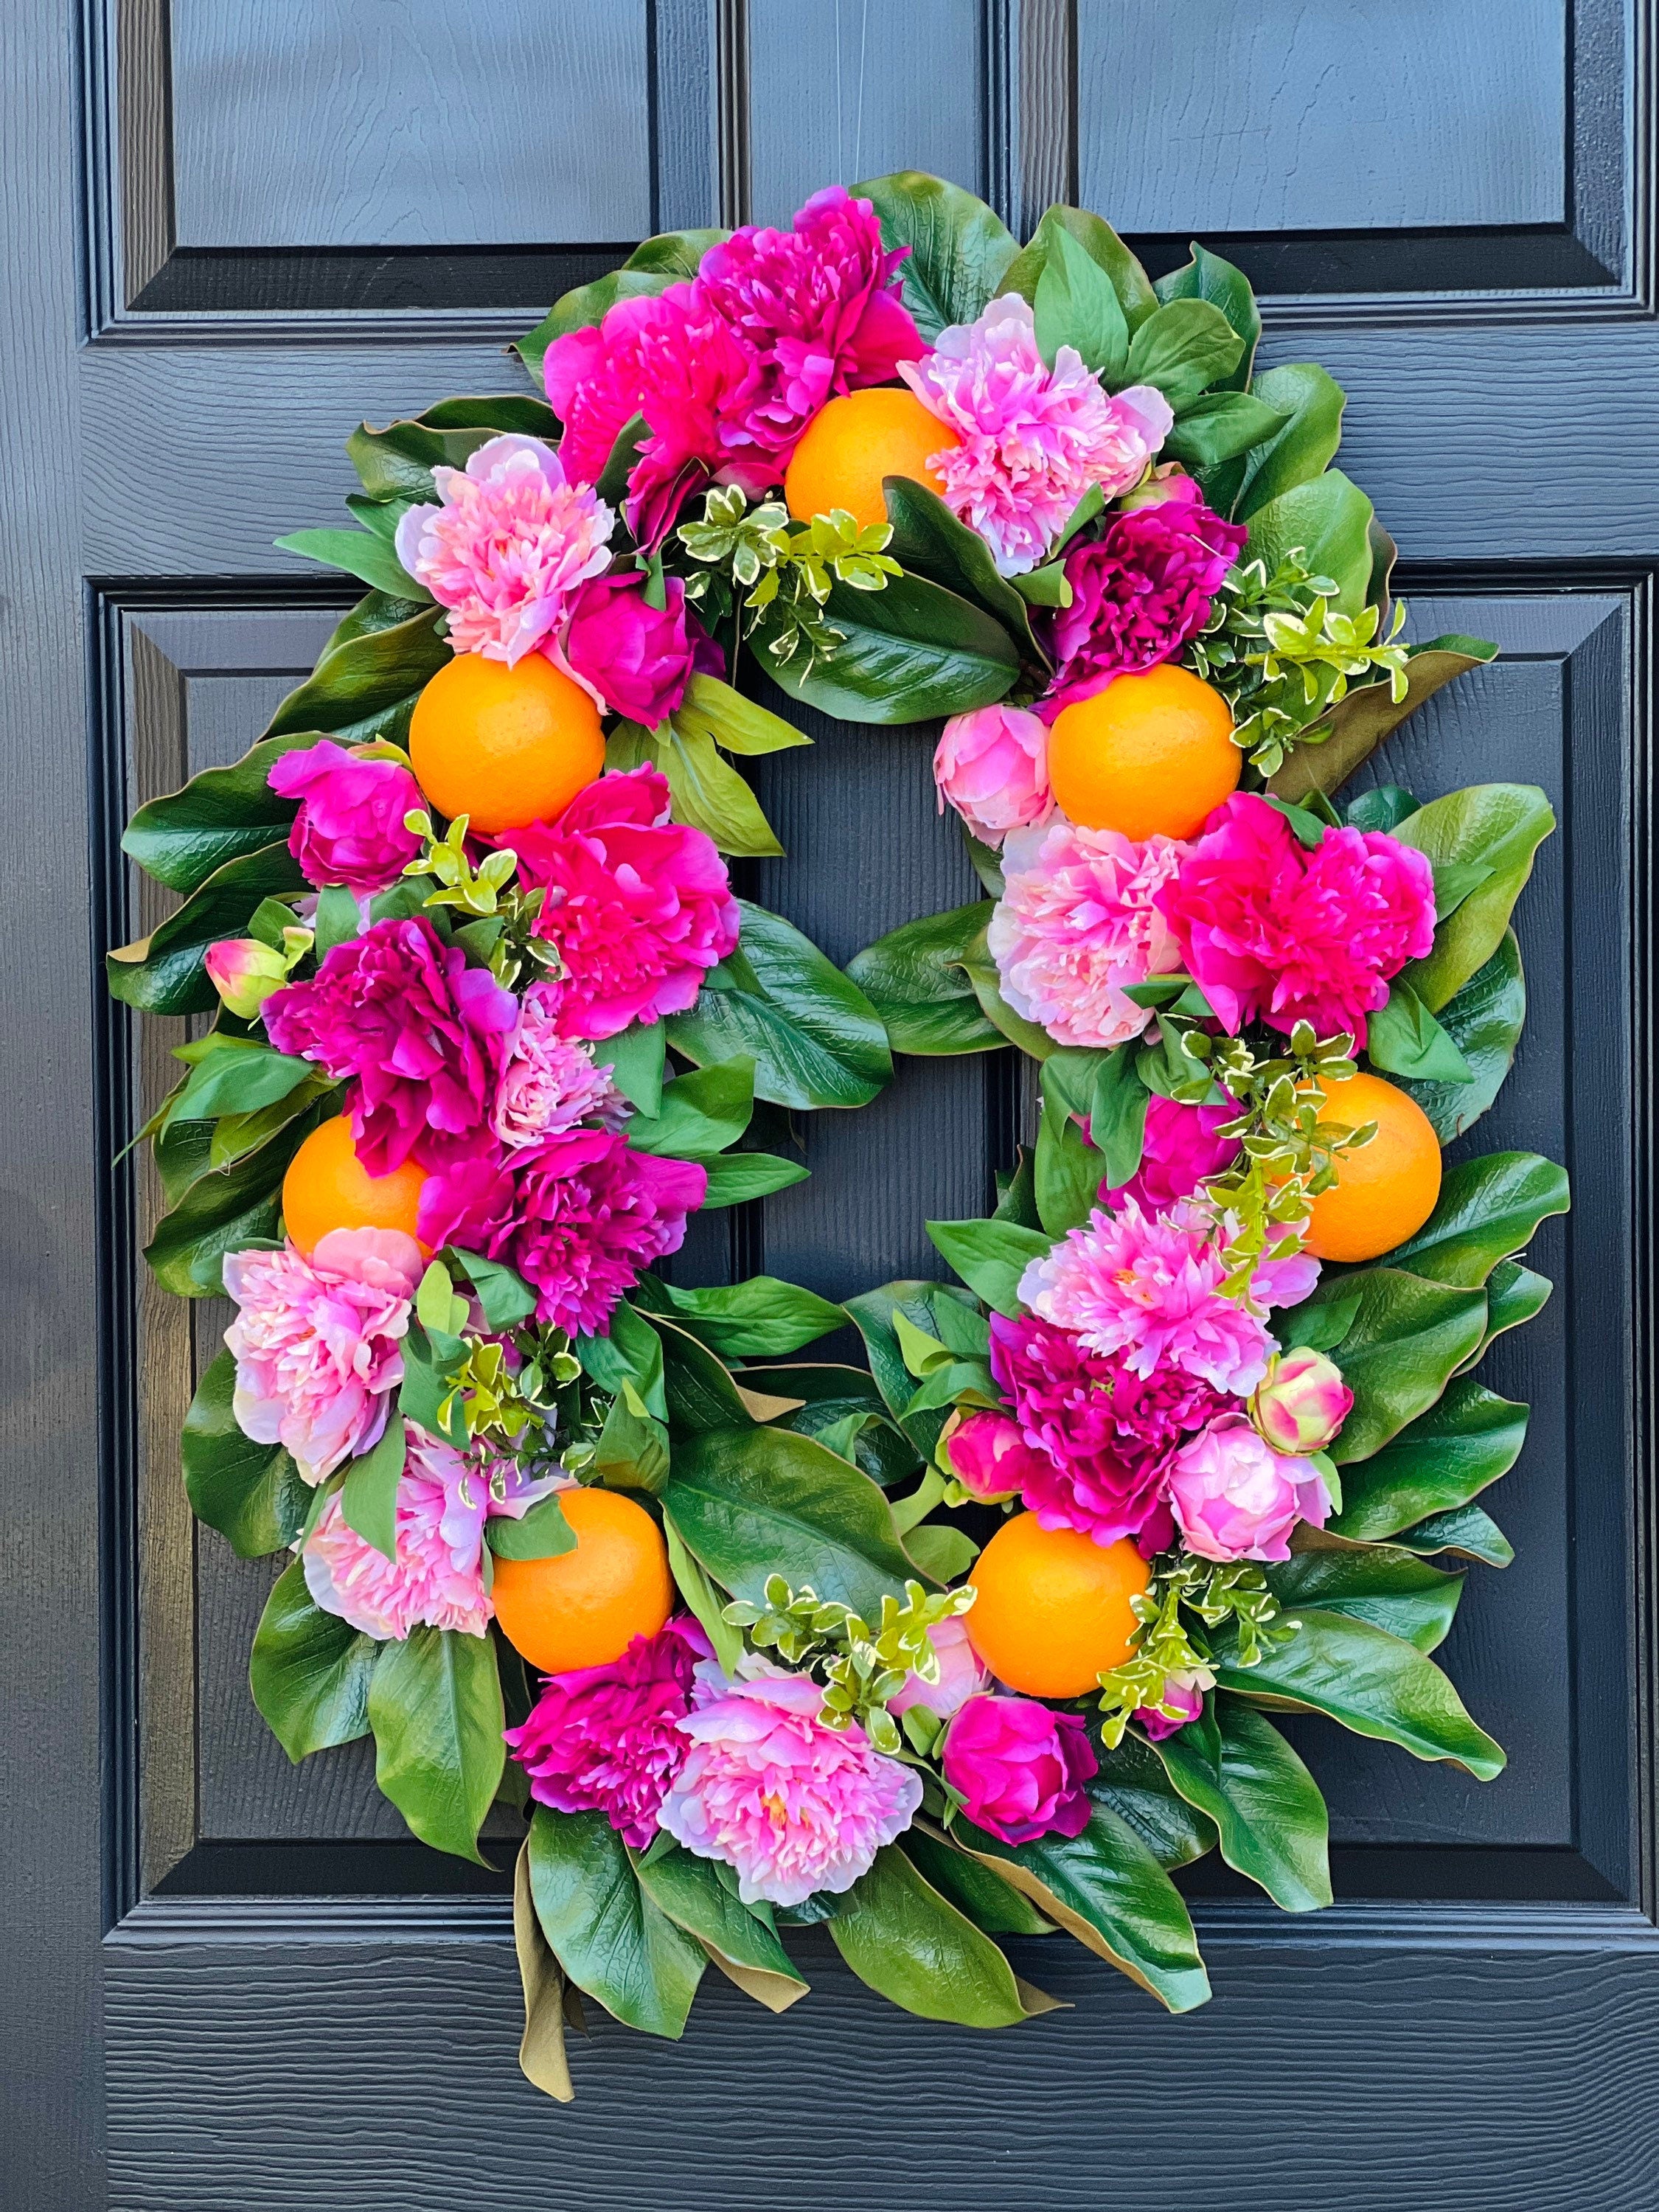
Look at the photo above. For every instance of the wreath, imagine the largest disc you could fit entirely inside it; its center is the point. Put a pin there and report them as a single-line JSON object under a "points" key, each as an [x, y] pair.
{"points": [[980, 1638]]}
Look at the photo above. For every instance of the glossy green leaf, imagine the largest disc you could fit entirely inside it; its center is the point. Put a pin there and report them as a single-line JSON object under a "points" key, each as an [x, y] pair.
{"points": [[914, 979], [1207, 277], [634, 1058], [1488, 1209], [814, 1037], [1220, 426], [612, 1940], [367, 687], [1436, 1464], [632, 1449], [222, 814], [1312, 403], [694, 1894], [761, 1318], [652, 267], [1403, 1038], [368, 1498], [359, 553], [309, 1670], [1368, 1582], [1407, 1338], [165, 974], [930, 540], [1373, 1683], [540, 1534], [700, 1112], [251, 1493], [1077, 306], [1067, 1169], [1319, 1324], [990, 1256], [706, 1602], [736, 724], [708, 793], [495, 411], [833, 1397], [982, 972], [697, 1386], [749, 1503], [910, 1945], [1132, 1783], [397, 462], [945, 1554], [734, 1178], [907, 653], [1467, 1531], [1102, 243], [1181, 347], [1235, 1768], [992, 1904], [223, 1211], [435, 1707], [239, 1077], [1358, 724], [1327, 520], [872, 1312], [960, 249], [1513, 1295], [505, 1295], [1484, 1020], [1500, 825]]}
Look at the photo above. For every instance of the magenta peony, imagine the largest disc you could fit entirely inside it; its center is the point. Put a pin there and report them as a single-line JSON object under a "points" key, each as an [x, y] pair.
{"points": [[510, 543], [1237, 1498], [1020, 1768], [1181, 1702], [1276, 934], [547, 1083], [422, 1033], [961, 1675], [987, 1454], [1300, 1403], [604, 1739], [768, 1790], [580, 1216], [1100, 1435], [640, 907], [1182, 1148], [993, 766], [1077, 920], [1140, 592], [245, 973], [635, 659], [1034, 439], [350, 829], [316, 1342]]}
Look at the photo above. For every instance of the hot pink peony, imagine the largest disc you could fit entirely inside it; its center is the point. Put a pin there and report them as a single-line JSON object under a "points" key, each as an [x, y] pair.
{"points": [[1034, 439], [317, 1342], [1140, 592], [1078, 919], [961, 1675], [987, 1454], [768, 1790], [1100, 1434], [604, 1739], [637, 659], [547, 1083], [1275, 932], [580, 1217], [422, 1033], [993, 766], [510, 543], [1181, 1148], [1020, 1768], [1237, 1498], [1300, 1403], [350, 829], [639, 906]]}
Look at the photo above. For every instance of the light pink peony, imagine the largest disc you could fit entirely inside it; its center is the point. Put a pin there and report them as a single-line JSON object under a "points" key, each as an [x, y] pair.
{"points": [[245, 973], [350, 829], [768, 1790], [961, 1675], [640, 907], [548, 1084], [993, 766], [1078, 919], [1276, 934], [1033, 437], [987, 1454], [1300, 1403], [316, 1342], [1237, 1498], [510, 543], [1020, 1768], [1181, 1148]]}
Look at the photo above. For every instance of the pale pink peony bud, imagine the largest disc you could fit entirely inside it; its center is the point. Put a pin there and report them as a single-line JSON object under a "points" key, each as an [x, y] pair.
{"points": [[1181, 1702], [961, 1673], [244, 973], [993, 766], [1300, 1403]]}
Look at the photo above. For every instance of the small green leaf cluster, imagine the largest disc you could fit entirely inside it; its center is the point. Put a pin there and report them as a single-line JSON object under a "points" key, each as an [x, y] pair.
{"points": [[1170, 1647], [502, 933], [754, 551]]}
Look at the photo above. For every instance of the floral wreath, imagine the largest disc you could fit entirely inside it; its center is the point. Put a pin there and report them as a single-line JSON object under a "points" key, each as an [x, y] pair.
{"points": [[979, 1639]]}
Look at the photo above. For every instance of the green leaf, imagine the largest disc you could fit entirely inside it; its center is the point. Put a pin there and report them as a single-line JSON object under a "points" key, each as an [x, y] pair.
{"points": [[435, 1707], [634, 1058], [1406, 1340], [495, 411], [1484, 1021], [1102, 244], [1404, 1038], [1327, 521], [982, 972], [930, 542], [1207, 277], [367, 686], [834, 1399], [943, 1553], [1513, 1295], [1183, 347], [907, 653], [992, 1904], [698, 1386], [166, 975], [751, 1503], [914, 979], [762, 1318], [872, 1313], [505, 1297], [734, 1178], [1068, 1170], [691, 1892], [359, 553], [338, 918], [1219, 427], [990, 1256], [239, 1078], [1358, 724], [429, 1370], [737, 725], [910, 1945], [369, 1500], [700, 1112], [632, 1451], [1117, 1122], [542, 2058], [251, 1493], [1372, 1683], [1132, 1783], [1436, 1464], [1381, 808], [960, 250], [1488, 1208], [223, 1211], [1467, 1531], [1500, 825], [1320, 1326], [707, 791], [612, 1940], [814, 1037], [706, 1603], [222, 814], [1106, 1888], [540, 1534], [1369, 1582], [1077, 306], [652, 267], [309, 1670], [397, 463], [1234, 1766], [1312, 403]]}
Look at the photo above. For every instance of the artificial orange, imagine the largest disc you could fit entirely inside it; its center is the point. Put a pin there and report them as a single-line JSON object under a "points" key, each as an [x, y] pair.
{"points": [[327, 1187], [504, 746], [583, 1609], [854, 441], [1149, 754], [1052, 1612], [1385, 1190]]}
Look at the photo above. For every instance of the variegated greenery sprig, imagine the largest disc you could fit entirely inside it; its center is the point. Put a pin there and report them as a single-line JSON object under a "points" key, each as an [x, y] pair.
{"points": [[502, 930], [1169, 1649], [785, 574]]}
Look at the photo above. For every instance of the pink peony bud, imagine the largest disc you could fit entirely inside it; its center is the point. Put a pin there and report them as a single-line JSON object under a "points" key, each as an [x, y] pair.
{"points": [[1300, 1403], [1181, 1702], [993, 766], [1237, 1498], [1020, 1767], [987, 1454], [244, 973], [636, 658], [961, 1675]]}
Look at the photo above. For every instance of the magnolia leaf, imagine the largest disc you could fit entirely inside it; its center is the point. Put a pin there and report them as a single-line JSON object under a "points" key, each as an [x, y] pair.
{"points": [[368, 1499], [960, 249], [742, 1943], [1357, 723], [251, 1492], [914, 979], [1436, 1464], [1403, 1038], [541, 2050], [1499, 825], [1488, 1208], [910, 1945], [309, 1670], [612, 1939], [1234, 1766], [760, 1319], [1368, 1582], [1406, 1340], [435, 1705], [1207, 277], [1484, 1021]]}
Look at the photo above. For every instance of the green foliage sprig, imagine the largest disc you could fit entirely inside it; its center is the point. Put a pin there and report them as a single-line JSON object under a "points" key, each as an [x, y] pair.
{"points": [[502, 931], [754, 551], [1188, 1598]]}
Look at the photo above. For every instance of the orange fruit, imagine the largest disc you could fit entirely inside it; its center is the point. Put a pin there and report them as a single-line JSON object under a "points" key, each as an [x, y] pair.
{"points": [[327, 1187], [583, 1609], [504, 746], [1052, 1611], [1386, 1190], [854, 441], [1151, 753]]}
